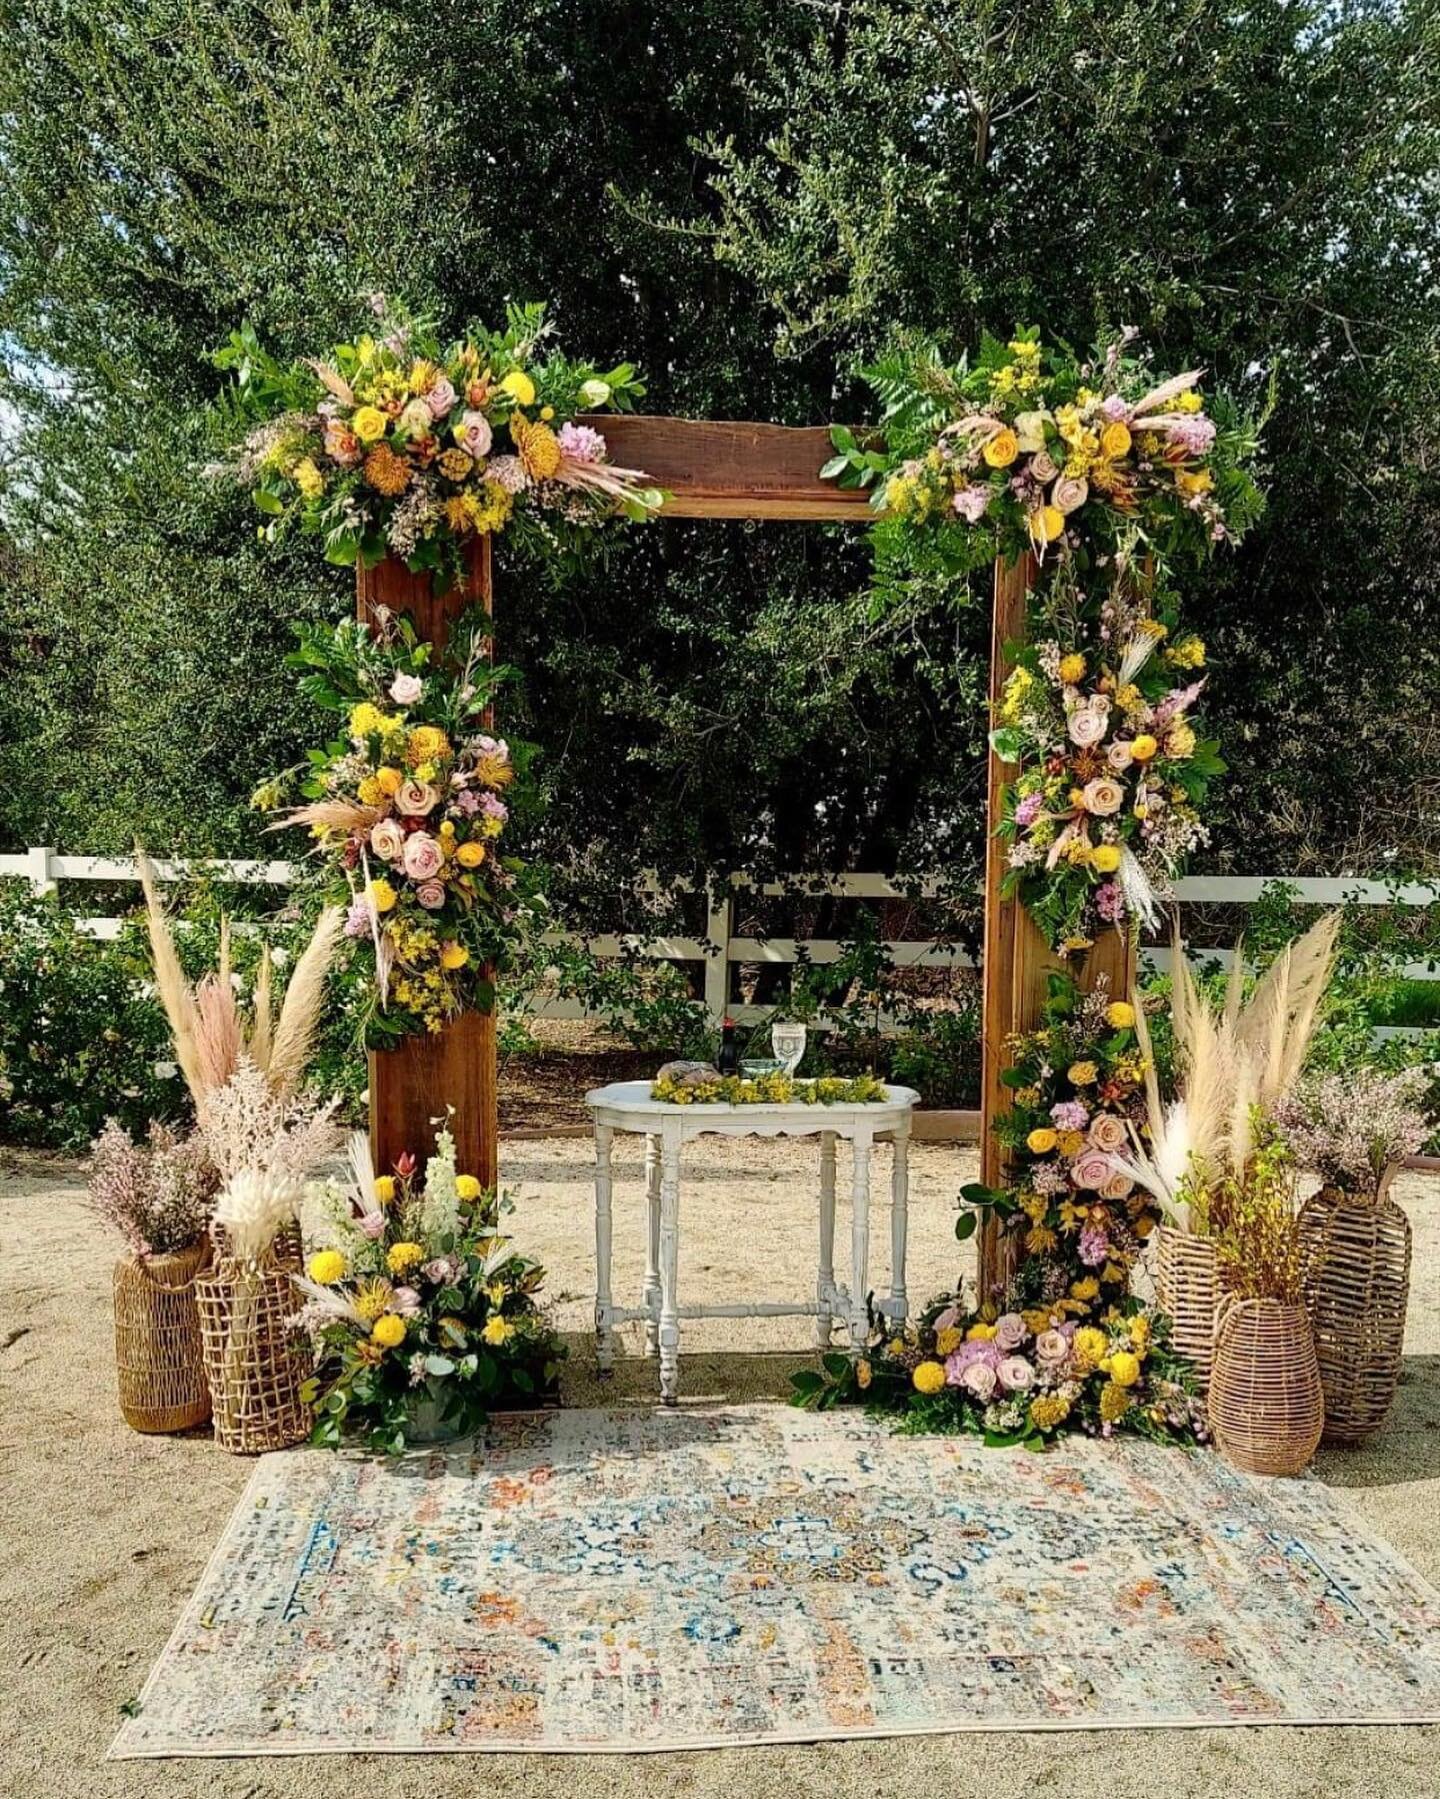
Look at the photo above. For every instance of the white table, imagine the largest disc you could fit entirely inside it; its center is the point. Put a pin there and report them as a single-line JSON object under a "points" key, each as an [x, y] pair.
{"points": [[627, 1106]]}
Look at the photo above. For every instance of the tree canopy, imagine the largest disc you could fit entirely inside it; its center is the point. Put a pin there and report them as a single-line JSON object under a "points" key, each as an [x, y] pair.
{"points": [[747, 199]]}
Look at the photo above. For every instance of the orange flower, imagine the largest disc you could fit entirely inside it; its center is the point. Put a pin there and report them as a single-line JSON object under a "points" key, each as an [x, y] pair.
{"points": [[539, 449], [455, 465], [385, 471]]}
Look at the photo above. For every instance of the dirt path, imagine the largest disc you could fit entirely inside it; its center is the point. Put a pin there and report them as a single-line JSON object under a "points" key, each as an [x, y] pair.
{"points": [[104, 1533]]}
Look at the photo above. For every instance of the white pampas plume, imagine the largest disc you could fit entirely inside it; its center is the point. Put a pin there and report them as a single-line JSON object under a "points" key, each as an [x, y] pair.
{"points": [[1157, 396], [360, 1190], [1140, 896], [1138, 652], [172, 987], [253, 1208], [300, 1010], [331, 1302]]}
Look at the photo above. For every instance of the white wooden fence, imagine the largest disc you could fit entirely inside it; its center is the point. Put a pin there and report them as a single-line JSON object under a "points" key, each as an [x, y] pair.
{"points": [[720, 950]]}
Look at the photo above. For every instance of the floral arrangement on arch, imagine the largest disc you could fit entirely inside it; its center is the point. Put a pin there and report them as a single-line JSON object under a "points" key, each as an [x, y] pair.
{"points": [[1017, 1377], [399, 444], [407, 809], [1098, 712], [422, 1315], [1078, 1090]]}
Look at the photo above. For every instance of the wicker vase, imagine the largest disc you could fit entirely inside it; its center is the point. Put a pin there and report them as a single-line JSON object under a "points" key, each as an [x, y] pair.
{"points": [[254, 1362], [1355, 1257], [158, 1359], [1187, 1288], [1266, 1407]]}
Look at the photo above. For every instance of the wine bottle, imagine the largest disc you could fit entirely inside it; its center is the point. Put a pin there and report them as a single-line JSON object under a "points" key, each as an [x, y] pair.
{"points": [[728, 1061]]}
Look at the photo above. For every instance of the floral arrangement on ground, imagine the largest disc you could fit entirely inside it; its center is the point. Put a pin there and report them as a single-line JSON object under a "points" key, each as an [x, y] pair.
{"points": [[1078, 1100], [395, 444], [407, 810], [767, 1090], [422, 1315], [1017, 1377]]}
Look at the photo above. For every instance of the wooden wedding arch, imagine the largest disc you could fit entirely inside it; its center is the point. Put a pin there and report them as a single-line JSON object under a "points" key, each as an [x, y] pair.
{"points": [[715, 469]]}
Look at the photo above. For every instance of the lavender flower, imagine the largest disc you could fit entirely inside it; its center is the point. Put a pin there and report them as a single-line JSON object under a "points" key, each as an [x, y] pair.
{"points": [[1350, 1128], [1070, 1115], [1094, 1246]]}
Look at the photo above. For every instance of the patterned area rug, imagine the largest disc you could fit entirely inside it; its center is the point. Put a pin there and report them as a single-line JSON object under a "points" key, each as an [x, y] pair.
{"points": [[632, 1581]]}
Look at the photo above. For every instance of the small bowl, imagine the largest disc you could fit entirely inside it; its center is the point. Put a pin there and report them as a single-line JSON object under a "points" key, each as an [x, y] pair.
{"points": [[758, 1066]]}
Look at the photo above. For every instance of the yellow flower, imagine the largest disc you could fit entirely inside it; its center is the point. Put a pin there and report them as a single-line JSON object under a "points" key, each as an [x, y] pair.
{"points": [[382, 896], [497, 1331], [326, 1266], [1188, 653], [862, 1374], [1180, 742], [929, 1377], [453, 956], [467, 1188], [1144, 747], [1087, 1288], [368, 424], [1120, 1015], [1002, 449], [1088, 1347], [1124, 1368], [427, 743], [1114, 1403], [1105, 858], [388, 1331], [384, 1189], [1041, 1141], [1070, 1143], [1189, 401], [1049, 1410], [1082, 1074], [1046, 524], [539, 449], [980, 1333], [520, 387], [366, 720], [1072, 668], [1040, 1240], [389, 780], [454, 464], [1144, 1225], [308, 478], [1140, 1332], [948, 1340], [1190, 485], [400, 1258], [470, 855], [370, 792], [1114, 440]]}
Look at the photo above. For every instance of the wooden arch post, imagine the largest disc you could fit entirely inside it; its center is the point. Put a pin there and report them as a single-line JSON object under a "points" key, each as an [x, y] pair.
{"points": [[722, 470]]}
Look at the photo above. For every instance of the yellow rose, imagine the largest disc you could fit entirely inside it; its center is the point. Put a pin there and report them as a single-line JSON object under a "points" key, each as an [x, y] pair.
{"points": [[382, 896], [388, 1331], [467, 1188], [520, 387], [1114, 440], [1144, 747], [497, 1330], [326, 1266], [863, 1374], [1072, 668], [369, 424], [929, 1377], [1105, 858], [1124, 1368], [308, 478], [1002, 449], [1041, 1141], [389, 781], [470, 855]]}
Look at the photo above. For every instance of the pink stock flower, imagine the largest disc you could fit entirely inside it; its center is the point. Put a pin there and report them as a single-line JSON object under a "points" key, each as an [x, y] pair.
{"points": [[508, 472], [1029, 809], [581, 443], [357, 919], [970, 503]]}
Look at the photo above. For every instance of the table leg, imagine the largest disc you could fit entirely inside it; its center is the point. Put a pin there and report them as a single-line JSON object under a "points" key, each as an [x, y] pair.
{"points": [[669, 1262], [652, 1243], [825, 1278], [899, 1223], [604, 1330], [859, 1239]]}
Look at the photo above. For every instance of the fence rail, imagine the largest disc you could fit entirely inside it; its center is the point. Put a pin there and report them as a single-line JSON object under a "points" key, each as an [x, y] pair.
{"points": [[721, 949]]}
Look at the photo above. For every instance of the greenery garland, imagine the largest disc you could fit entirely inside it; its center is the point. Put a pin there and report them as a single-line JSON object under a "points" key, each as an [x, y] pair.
{"points": [[768, 1090]]}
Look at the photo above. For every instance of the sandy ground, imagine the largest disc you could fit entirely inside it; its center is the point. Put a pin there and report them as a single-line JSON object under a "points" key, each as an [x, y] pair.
{"points": [[103, 1533]]}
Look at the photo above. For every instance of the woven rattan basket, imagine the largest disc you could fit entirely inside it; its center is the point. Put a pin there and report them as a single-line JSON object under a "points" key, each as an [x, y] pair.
{"points": [[1355, 1258], [158, 1360], [254, 1362], [1187, 1288], [1266, 1407]]}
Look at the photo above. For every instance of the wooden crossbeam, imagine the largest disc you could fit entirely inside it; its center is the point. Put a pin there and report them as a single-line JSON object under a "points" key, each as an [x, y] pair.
{"points": [[716, 468]]}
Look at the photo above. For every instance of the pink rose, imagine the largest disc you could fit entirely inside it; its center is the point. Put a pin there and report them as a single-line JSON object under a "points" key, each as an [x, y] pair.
{"points": [[1010, 1331], [473, 433], [1107, 1132], [423, 859], [1119, 1186], [1051, 1347], [387, 839], [405, 1301], [441, 398], [1016, 1374], [372, 1225], [416, 798], [406, 689], [979, 1380], [1103, 796], [1069, 493], [431, 895], [1091, 1169], [1088, 723], [1119, 756], [1043, 466]]}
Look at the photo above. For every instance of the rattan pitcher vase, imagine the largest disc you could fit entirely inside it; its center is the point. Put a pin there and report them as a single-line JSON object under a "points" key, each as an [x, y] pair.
{"points": [[158, 1361], [1187, 1289], [1355, 1262], [1266, 1405], [255, 1362]]}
